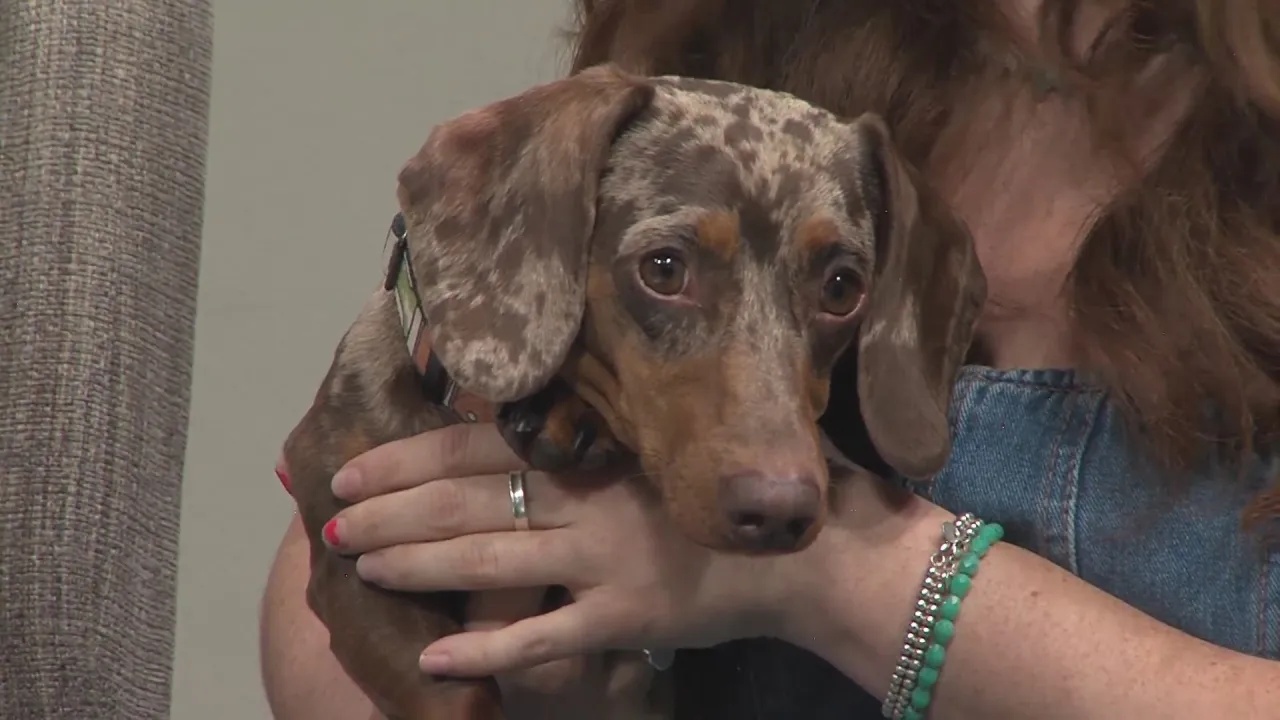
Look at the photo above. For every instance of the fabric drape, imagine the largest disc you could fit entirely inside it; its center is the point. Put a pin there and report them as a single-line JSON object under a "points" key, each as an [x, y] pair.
{"points": [[103, 125]]}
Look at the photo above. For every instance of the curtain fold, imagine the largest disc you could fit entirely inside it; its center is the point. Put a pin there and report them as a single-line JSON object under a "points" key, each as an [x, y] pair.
{"points": [[103, 125]]}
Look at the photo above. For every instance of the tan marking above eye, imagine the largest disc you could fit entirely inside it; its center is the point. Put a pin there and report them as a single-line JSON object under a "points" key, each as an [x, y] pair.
{"points": [[664, 272], [719, 233], [842, 293], [816, 234]]}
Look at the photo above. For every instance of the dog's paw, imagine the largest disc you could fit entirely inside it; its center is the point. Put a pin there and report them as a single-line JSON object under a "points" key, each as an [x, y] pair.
{"points": [[556, 431]]}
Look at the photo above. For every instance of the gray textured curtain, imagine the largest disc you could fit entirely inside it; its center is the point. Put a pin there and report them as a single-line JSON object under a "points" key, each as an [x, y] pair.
{"points": [[103, 123]]}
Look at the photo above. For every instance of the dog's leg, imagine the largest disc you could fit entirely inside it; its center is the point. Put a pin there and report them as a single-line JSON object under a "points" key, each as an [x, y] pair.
{"points": [[378, 641], [371, 396]]}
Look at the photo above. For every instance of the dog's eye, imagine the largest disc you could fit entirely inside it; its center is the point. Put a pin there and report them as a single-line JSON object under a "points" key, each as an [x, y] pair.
{"points": [[841, 293], [664, 272]]}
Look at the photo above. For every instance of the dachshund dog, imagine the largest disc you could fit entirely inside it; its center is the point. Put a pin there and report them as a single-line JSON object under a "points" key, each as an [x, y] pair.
{"points": [[654, 271]]}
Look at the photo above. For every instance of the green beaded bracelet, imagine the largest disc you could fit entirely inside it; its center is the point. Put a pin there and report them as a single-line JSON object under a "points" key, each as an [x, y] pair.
{"points": [[945, 627]]}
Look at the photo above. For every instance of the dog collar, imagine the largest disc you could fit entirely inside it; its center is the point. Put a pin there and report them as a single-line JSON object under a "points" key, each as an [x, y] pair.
{"points": [[439, 388]]}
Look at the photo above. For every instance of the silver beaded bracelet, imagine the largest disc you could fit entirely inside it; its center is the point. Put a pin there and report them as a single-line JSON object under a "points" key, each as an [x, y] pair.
{"points": [[956, 536]]}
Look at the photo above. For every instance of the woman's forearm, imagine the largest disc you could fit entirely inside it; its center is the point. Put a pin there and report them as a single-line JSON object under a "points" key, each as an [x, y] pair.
{"points": [[1031, 639], [302, 679]]}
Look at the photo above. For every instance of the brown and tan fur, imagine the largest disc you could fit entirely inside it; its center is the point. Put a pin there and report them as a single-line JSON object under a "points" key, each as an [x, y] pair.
{"points": [[528, 223]]}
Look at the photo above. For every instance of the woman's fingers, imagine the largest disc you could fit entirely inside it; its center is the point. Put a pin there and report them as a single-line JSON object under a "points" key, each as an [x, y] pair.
{"points": [[446, 509], [490, 561], [497, 609], [455, 451], [572, 630]]}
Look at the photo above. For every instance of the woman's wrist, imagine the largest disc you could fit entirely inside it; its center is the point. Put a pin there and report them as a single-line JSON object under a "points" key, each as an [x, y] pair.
{"points": [[1030, 640], [862, 580]]}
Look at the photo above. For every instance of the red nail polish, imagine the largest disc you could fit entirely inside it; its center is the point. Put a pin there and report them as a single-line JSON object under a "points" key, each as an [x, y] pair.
{"points": [[284, 478], [331, 532]]}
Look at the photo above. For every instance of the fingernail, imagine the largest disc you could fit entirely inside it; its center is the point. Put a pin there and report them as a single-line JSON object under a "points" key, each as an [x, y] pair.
{"points": [[367, 568], [284, 479], [434, 663], [330, 533], [345, 482]]}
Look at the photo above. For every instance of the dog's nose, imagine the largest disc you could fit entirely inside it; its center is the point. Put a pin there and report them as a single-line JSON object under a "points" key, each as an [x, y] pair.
{"points": [[769, 512]]}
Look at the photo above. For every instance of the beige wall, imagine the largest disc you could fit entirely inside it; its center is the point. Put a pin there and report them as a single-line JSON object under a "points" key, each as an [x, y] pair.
{"points": [[315, 106]]}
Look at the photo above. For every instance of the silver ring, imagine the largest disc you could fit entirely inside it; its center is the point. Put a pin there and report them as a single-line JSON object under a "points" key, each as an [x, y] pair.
{"points": [[660, 659], [519, 506]]}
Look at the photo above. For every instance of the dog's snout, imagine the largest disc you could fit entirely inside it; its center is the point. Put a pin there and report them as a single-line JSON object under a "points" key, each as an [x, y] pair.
{"points": [[769, 512]]}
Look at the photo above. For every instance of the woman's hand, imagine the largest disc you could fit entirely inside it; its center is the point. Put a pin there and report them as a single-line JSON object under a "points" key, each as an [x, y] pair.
{"points": [[434, 513], [438, 516]]}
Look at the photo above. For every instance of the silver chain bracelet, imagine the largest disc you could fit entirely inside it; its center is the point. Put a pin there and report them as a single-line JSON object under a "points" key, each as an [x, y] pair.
{"points": [[956, 536]]}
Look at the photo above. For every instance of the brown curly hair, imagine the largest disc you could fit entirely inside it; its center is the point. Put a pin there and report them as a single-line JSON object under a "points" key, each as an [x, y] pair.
{"points": [[1175, 294]]}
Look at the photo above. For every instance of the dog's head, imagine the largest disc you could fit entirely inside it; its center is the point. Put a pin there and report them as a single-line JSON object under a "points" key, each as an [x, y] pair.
{"points": [[714, 248]]}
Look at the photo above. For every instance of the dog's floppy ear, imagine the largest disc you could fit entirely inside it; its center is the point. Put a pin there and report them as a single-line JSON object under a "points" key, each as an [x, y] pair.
{"points": [[926, 294], [499, 205]]}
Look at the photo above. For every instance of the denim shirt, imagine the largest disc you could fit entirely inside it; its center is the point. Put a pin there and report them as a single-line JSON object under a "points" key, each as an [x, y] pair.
{"points": [[1047, 457]]}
